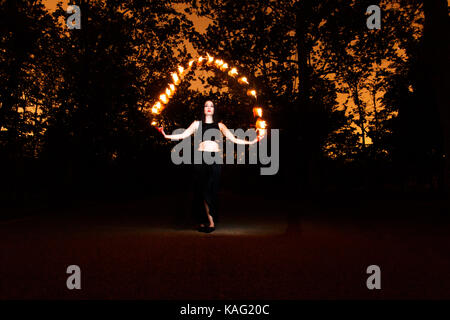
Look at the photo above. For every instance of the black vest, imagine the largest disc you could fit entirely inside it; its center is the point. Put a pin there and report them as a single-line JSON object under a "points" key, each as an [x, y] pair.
{"points": [[205, 126]]}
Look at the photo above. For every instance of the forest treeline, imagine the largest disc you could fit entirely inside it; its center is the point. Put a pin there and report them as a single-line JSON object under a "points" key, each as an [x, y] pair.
{"points": [[356, 108]]}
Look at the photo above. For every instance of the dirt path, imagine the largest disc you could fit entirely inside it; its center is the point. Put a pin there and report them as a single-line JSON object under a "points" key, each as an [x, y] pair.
{"points": [[142, 251]]}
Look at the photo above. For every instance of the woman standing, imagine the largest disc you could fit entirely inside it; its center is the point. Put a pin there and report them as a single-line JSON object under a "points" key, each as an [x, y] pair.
{"points": [[207, 176]]}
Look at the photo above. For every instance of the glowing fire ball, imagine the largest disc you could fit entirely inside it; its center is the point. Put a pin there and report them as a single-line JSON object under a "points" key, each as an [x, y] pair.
{"points": [[257, 112]]}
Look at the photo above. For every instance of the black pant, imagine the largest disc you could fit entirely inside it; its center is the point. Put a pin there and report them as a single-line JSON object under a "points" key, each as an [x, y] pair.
{"points": [[206, 188]]}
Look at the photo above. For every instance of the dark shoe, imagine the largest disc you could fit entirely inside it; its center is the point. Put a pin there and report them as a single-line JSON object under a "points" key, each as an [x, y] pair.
{"points": [[209, 229]]}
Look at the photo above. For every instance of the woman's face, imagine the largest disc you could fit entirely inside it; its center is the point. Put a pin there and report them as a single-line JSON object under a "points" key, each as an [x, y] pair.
{"points": [[209, 108]]}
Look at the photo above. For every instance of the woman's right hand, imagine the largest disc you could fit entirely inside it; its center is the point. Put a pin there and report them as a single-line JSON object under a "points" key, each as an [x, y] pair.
{"points": [[161, 129]]}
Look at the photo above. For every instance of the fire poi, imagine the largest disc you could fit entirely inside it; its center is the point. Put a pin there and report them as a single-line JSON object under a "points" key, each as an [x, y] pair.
{"points": [[168, 92]]}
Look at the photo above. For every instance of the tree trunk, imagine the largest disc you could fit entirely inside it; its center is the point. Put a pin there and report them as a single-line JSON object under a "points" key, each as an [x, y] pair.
{"points": [[307, 114], [362, 116]]}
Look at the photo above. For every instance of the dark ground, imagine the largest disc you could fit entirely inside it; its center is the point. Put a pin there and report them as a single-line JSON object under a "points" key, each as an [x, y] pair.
{"points": [[146, 249]]}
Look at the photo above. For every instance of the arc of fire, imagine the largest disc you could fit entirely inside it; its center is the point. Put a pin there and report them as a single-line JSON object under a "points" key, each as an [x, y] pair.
{"points": [[177, 76]]}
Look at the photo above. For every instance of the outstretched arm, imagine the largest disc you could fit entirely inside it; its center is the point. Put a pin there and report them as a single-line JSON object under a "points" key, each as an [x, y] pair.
{"points": [[190, 130], [227, 133]]}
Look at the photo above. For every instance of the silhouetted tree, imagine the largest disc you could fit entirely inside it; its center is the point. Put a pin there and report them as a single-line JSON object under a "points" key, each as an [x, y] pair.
{"points": [[28, 69], [435, 57]]}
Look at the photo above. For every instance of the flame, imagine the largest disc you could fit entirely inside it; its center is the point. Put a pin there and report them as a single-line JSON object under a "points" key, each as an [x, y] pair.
{"points": [[163, 98], [180, 70], [168, 92], [252, 93], [176, 80], [219, 62], [172, 87], [154, 123], [155, 110], [210, 59], [190, 63], [261, 124], [200, 59], [257, 112], [243, 80], [233, 72], [224, 66]]}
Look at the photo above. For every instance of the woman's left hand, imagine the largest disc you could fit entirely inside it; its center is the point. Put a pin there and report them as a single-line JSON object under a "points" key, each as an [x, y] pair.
{"points": [[260, 137], [257, 139]]}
